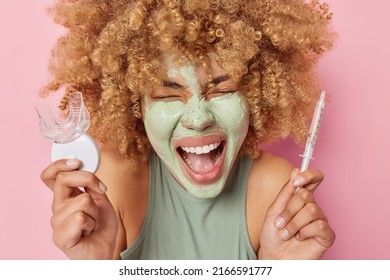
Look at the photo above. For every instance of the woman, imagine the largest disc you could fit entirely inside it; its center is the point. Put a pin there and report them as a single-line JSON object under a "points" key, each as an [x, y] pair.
{"points": [[181, 93]]}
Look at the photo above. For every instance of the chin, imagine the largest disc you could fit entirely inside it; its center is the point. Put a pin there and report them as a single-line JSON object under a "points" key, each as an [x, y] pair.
{"points": [[209, 191]]}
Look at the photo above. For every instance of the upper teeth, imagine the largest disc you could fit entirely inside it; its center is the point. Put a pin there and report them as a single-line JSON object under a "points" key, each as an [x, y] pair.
{"points": [[201, 150]]}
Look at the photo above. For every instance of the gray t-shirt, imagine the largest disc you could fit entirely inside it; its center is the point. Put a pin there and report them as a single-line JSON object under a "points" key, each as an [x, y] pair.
{"points": [[180, 226]]}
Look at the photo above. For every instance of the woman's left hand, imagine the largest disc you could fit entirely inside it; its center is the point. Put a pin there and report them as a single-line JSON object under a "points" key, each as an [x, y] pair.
{"points": [[295, 227]]}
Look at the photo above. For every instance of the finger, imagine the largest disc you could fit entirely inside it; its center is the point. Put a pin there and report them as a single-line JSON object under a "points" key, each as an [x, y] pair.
{"points": [[81, 203], [67, 184], [310, 180], [99, 194], [49, 175], [320, 230], [285, 194], [311, 212], [68, 234], [296, 203]]}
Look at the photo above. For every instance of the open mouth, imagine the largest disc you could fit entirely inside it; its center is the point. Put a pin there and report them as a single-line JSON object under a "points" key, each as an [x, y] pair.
{"points": [[203, 163]]}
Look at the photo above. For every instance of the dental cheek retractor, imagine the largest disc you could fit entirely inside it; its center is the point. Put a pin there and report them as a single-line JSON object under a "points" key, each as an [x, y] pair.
{"points": [[70, 140]]}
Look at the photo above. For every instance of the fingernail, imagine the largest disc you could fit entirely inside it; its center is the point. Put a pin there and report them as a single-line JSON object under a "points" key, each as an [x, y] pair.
{"points": [[102, 187], [71, 162], [283, 234], [297, 236], [298, 181], [279, 222]]}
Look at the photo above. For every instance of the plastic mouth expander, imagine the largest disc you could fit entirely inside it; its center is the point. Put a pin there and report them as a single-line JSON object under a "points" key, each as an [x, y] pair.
{"points": [[69, 137]]}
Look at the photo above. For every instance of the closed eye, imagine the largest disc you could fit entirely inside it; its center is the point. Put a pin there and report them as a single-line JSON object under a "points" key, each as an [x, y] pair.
{"points": [[219, 86], [218, 93], [167, 97], [169, 91]]}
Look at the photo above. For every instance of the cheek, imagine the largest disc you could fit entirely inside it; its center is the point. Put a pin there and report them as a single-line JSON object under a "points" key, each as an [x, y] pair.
{"points": [[231, 112], [160, 119]]}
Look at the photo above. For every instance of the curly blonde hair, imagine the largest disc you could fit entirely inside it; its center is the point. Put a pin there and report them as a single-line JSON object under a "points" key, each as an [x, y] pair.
{"points": [[113, 48]]}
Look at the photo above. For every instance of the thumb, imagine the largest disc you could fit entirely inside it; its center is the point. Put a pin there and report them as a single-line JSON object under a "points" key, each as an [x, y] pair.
{"points": [[284, 196]]}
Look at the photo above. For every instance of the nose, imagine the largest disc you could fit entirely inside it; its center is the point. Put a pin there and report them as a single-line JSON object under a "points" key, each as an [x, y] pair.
{"points": [[198, 116]]}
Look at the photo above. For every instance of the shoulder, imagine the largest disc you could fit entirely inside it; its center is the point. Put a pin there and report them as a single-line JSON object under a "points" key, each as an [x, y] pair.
{"points": [[269, 173], [124, 178], [267, 176]]}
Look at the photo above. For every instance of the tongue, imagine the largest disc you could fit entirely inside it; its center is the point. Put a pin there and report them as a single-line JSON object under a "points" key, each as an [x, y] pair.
{"points": [[200, 164]]}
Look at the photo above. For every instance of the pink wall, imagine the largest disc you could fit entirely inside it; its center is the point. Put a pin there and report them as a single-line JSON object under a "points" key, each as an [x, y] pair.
{"points": [[352, 149]]}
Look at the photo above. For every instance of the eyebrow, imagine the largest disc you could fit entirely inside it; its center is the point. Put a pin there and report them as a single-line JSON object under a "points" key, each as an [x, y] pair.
{"points": [[219, 79], [172, 84]]}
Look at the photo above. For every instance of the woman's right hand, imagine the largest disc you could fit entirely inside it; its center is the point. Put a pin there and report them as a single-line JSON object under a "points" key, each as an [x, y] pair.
{"points": [[84, 221]]}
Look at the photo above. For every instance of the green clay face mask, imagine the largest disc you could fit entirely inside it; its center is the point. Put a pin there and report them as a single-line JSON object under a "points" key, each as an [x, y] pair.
{"points": [[197, 138]]}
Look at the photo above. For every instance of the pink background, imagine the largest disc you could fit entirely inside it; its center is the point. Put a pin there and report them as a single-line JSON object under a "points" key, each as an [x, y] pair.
{"points": [[352, 149]]}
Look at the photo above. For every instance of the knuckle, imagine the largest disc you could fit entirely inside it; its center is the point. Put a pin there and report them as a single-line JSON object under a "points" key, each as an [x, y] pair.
{"points": [[85, 200], [80, 219], [317, 176], [61, 176], [90, 179], [44, 175], [54, 207], [305, 195], [53, 222], [313, 209], [322, 225], [50, 172], [55, 239], [332, 237], [321, 176]]}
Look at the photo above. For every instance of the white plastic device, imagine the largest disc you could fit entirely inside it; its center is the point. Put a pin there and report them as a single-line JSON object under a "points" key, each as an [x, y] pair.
{"points": [[70, 139]]}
